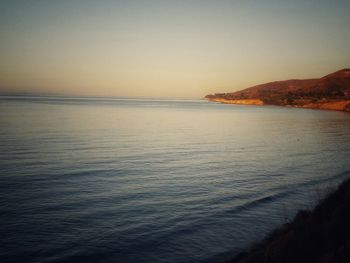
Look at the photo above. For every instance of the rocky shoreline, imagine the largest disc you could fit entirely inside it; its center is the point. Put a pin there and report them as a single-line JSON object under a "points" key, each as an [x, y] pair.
{"points": [[321, 105]]}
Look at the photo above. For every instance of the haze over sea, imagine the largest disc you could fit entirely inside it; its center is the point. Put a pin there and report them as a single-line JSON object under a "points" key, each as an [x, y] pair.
{"points": [[142, 180]]}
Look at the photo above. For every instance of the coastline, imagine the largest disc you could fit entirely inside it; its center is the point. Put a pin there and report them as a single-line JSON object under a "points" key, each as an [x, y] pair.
{"points": [[326, 105], [241, 102], [320, 235], [330, 92]]}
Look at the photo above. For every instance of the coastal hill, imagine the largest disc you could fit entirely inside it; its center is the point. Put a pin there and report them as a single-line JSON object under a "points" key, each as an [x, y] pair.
{"points": [[331, 92]]}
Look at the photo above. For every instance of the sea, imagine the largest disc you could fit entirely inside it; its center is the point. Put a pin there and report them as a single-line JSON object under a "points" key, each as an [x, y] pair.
{"points": [[161, 181]]}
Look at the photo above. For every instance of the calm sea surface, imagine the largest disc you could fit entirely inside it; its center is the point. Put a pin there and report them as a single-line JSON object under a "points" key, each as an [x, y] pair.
{"points": [[122, 180]]}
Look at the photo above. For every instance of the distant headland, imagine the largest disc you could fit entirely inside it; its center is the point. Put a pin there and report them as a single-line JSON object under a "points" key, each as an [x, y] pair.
{"points": [[331, 92]]}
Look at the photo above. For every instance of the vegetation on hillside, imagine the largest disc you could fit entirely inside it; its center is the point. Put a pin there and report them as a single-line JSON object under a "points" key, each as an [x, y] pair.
{"points": [[332, 88]]}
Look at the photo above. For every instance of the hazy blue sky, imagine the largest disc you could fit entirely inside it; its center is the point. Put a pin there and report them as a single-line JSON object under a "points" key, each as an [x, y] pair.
{"points": [[167, 48]]}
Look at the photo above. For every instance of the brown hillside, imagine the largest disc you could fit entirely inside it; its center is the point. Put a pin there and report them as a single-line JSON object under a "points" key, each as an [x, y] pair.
{"points": [[332, 88]]}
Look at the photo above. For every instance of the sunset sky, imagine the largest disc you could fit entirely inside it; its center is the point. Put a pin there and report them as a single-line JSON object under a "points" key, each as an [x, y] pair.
{"points": [[159, 48]]}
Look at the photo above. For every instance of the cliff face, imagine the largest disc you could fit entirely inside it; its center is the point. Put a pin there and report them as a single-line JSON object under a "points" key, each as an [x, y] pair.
{"points": [[330, 92], [240, 101]]}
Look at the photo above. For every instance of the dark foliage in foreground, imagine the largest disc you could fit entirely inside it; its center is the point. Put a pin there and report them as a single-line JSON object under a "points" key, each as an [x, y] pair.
{"points": [[322, 235]]}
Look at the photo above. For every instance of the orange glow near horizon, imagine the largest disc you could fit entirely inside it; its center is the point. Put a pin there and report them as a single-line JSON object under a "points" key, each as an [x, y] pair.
{"points": [[167, 48]]}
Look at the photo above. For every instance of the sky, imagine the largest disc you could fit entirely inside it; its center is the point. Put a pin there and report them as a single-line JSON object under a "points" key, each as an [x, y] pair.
{"points": [[170, 49]]}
